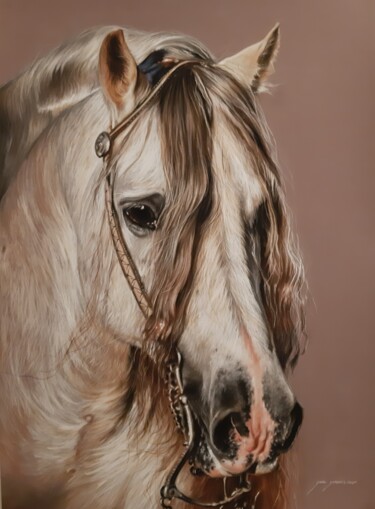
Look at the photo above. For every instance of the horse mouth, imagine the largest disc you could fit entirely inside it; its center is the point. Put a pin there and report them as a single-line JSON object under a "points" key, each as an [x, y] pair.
{"points": [[206, 461]]}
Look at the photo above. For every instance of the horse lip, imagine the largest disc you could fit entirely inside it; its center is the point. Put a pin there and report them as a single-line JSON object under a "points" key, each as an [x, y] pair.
{"points": [[264, 468]]}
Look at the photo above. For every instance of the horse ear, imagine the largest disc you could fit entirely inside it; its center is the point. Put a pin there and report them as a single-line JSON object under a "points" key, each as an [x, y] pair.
{"points": [[118, 71], [256, 63]]}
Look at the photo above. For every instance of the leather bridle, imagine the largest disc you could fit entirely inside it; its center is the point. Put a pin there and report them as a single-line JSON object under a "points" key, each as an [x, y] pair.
{"points": [[183, 414]]}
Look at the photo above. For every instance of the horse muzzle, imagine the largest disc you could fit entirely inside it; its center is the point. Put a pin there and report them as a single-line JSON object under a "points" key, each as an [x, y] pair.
{"points": [[238, 435], [235, 456]]}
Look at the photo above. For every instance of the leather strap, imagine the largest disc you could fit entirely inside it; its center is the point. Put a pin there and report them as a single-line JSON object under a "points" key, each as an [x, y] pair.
{"points": [[126, 261]]}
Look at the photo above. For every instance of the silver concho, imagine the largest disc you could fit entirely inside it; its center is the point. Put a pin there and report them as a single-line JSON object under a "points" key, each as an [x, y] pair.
{"points": [[102, 144]]}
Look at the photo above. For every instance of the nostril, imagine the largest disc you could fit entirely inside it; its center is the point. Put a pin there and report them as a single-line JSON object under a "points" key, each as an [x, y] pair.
{"points": [[224, 429], [296, 417]]}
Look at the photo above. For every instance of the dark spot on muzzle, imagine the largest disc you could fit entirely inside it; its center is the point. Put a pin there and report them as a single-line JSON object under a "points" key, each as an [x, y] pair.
{"points": [[281, 446], [296, 421]]}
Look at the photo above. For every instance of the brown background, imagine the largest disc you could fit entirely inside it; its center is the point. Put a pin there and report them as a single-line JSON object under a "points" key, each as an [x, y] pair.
{"points": [[322, 117]]}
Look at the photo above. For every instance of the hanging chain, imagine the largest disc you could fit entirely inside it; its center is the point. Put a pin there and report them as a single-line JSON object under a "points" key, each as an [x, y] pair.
{"points": [[186, 423]]}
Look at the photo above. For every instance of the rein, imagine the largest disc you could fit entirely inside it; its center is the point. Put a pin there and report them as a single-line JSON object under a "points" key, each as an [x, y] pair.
{"points": [[183, 415]]}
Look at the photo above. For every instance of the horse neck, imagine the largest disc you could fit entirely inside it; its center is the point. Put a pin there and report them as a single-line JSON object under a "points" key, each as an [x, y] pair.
{"points": [[40, 237]]}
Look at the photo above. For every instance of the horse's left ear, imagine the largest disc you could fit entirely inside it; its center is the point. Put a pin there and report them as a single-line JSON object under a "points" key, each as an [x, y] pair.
{"points": [[255, 63], [118, 72]]}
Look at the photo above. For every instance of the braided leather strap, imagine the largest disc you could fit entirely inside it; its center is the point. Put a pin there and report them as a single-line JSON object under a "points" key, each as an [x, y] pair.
{"points": [[127, 265]]}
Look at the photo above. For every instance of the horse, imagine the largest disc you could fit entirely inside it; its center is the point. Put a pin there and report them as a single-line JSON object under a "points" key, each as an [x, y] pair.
{"points": [[125, 153]]}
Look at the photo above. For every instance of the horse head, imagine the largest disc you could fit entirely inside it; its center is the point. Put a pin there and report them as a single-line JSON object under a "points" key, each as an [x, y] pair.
{"points": [[200, 204], [200, 207]]}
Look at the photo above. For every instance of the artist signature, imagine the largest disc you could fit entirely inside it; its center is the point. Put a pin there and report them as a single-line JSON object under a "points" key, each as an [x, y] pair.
{"points": [[325, 485]]}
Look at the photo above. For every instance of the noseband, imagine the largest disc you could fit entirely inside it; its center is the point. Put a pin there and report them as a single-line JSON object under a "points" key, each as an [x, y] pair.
{"points": [[184, 417]]}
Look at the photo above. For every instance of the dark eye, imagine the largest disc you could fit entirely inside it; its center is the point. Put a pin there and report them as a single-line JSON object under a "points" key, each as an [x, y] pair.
{"points": [[140, 216]]}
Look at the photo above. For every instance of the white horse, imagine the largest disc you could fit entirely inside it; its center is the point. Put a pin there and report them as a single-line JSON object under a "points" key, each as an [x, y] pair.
{"points": [[84, 419]]}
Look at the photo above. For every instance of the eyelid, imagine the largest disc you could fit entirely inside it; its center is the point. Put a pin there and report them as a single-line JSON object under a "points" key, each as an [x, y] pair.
{"points": [[155, 201]]}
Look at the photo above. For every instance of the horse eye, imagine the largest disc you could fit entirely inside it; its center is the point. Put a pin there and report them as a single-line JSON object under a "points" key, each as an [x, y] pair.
{"points": [[141, 216]]}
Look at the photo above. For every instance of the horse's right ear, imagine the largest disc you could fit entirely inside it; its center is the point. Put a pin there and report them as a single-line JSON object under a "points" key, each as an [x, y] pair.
{"points": [[254, 64], [118, 73]]}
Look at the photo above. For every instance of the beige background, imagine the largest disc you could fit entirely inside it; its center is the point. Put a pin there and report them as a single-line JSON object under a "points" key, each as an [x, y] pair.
{"points": [[322, 115]]}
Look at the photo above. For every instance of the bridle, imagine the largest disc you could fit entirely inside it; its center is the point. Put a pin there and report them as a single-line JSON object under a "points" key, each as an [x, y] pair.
{"points": [[183, 414]]}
